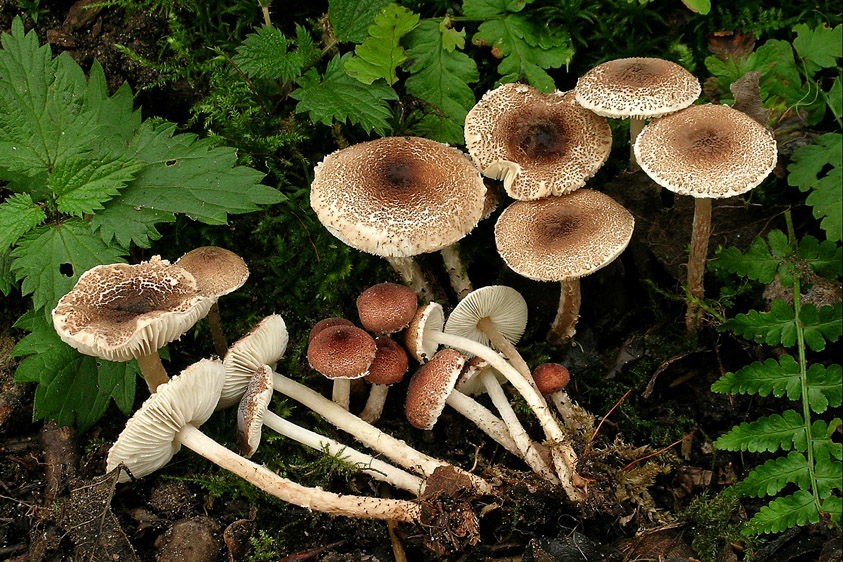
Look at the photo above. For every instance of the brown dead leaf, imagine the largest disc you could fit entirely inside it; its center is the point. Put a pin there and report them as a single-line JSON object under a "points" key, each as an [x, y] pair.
{"points": [[727, 45]]}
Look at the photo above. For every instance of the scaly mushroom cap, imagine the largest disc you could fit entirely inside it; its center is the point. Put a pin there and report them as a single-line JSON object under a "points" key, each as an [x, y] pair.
{"points": [[637, 87], [428, 317], [430, 386], [120, 311], [327, 323], [469, 380], [341, 352], [503, 305], [148, 441], [217, 271], [264, 344], [390, 362], [551, 377], [538, 144], [563, 238], [387, 308], [251, 410], [706, 151], [398, 196]]}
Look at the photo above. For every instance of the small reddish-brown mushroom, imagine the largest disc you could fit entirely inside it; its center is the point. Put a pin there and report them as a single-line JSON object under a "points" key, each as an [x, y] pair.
{"points": [[386, 308], [388, 368], [341, 353], [551, 379]]}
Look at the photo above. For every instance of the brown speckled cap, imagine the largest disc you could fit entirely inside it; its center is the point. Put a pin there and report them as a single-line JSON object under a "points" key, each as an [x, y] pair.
{"points": [[637, 87], [327, 323], [706, 151], [428, 317], [344, 352], [538, 144], [386, 308], [217, 271], [430, 386], [563, 238], [264, 344], [390, 362], [551, 377], [120, 311], [251, 411], [398, 196]]}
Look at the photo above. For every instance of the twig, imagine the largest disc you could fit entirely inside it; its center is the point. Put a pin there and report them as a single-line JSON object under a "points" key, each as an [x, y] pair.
{"points": [[659, 451], [599, 425], [664, 365]]}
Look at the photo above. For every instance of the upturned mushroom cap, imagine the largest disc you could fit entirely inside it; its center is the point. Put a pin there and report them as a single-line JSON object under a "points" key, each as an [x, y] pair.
{"points": [[563, 238], [551, 377], [386, 308], [251, 411], [503, 305], [637, 87], [148, 441], [327, 323], [538, 144], [428, 317], [344, 352], [390, 363], [707, 151], [469, 380], [398, 196], [264, 344], [120, 311], [217, 271], [430, 386]]}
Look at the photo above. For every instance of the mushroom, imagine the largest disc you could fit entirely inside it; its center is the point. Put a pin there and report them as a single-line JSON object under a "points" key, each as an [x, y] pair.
{"points": [[218, 272], [386, 308], [551, 379], [423, 338], [171, 418], [397, 197], [388, 368], [253, 413], [327, 323], [120, 312], [706, 151], [538, 144], [638, 88], [562, 239], [341, 353]]}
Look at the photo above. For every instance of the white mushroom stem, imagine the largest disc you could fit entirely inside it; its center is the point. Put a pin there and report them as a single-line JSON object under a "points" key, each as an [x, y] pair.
{"points": [[395, 450], [373, 409], [412, 275], [152, 370], [696, 262], [566, 409], [563, 455], [341, 393], [288, 491], [636, 125], [563, 328], [457, 273], [365, 463], [509, 351]]}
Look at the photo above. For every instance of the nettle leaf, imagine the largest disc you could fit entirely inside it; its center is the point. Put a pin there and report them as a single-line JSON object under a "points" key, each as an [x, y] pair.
{"points": [[825, 258], [127, 225], [264, 54], [337, 97], [783, 513], [829, 475], [773, 328], [7, 279], [439, 75], [18, 215], [825, 387], [83, 185], [380, 55], [351, 19], [834, 98], [807, 163], [769, 478], [770, 377], [771, 433], [825, 324], [50, 259], [819, 47], [526, 49], [757, 263]]}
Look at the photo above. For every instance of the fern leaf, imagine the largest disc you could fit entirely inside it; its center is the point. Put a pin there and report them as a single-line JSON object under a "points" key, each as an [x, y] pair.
{"points": [[773, 328], [834, 507], [823, 446], [770, 377], [825, 258], [821, 325], [825, 387], [806, 172], [769, 478], [783, 513], [380, 55], [756, 263], [829, 476], [766, 434]]}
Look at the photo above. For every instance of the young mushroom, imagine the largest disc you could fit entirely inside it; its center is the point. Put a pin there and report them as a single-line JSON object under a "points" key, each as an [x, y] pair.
{"points": [[171, 418], [341, 353], [387, 369], [551, 379], [705, 151], [120, 312], [386, 308]]}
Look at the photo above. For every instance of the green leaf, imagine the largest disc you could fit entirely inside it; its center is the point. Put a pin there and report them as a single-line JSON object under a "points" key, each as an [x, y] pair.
{"points": [[50, 259], [770, 377], [825, 324], [757, 263], [526, 48], [265, 54], [773, 328], [825, 258], [834, 98], [7, 280], [380, 54], [769, 478], [18, 215], [819, 47], [337, 97], [829, 475], [783, 513], [698, 6], [821, 434], [834, 507], [807, 163], [440, 77], [825, 387], [351, 19], [771, 433], [83, 185], [126, 225]]}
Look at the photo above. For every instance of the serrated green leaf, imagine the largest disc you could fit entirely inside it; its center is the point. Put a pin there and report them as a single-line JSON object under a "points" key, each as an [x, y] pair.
{"points": [[440, 77], [834, 507], [770, 477], [783, 513], [825, 258], [351, 19], [771, 433], [337, 97], [834, 98], [807, 163], [18, 215], [82, 185], [773, 328], [129, 225], [829, 476], [770, 377], [821, 434], [825, 387], [49, 260], [825, 324], [757, 263], [264, 54], [819, 47], [380, 55], [7, 280]]}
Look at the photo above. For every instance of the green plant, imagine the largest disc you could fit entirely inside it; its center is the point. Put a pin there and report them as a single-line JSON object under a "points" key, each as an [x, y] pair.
{"points": [[86, 179]]}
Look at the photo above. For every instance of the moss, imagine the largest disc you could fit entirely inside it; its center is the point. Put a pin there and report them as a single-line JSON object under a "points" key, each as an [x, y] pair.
{"points": [[714, 524]]}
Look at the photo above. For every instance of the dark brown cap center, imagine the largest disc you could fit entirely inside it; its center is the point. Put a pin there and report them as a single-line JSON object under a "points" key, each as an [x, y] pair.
{"points": [[540, 139]]}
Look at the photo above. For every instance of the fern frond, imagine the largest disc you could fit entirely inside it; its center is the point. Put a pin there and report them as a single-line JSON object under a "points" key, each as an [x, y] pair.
{"points": [[834, 507], [756, 263], [829, 476], [821, 324], [766, 434], [821, 442], [825, 387], [773, 328], [770, 377], [825, 258], [769, 478], [783, 513]]}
